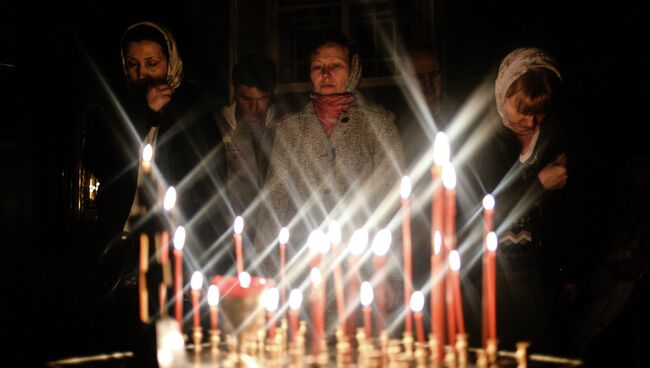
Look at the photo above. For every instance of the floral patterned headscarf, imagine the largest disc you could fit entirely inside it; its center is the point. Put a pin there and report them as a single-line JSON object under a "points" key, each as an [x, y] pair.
{"points": [[514, 66], [174, 64]]}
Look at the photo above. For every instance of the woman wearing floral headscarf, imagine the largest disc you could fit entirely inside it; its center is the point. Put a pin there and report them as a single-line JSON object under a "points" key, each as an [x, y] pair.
{"points": [[337, 159], [525, 168]]}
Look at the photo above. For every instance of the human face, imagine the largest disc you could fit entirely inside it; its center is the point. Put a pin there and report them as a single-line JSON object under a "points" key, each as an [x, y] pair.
{"points": [[329, 70], [427, 71], [145, 62], [252, 104], [518, 123]]}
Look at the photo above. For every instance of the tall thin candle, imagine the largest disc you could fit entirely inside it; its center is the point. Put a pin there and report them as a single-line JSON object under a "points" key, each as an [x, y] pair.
{"points": [[380, 246], [239, 251], [334, 235], [295, 300], [454, 266], [405, 192], [283, 239], [488, 215], [196, 282], [142, 281], [213, 302], [366, 302], [318, 314], [492, 242], [356, 248], [179, 242], [272, 298], [417, 304]]}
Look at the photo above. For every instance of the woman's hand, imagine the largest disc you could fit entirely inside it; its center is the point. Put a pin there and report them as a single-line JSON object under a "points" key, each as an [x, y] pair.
{"points": [[158, 96], [554, 175]]}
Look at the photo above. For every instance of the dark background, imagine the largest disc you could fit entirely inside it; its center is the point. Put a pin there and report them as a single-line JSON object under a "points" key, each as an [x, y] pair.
{"points": [[45, 85]]}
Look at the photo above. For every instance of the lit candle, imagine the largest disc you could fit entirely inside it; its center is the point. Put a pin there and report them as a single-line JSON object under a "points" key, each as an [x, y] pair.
{"points": [[295, 300], [317, 243], [356, 247], [454, 266], [441, 153], [491, 284], [196, 282], [317, 312], [239, 252], [366, 301], [488, 215], [170, 199], [380, 247], [417, 304], [213, 302], [179, 242], [334, 235], [438, 295], [448, 175], [245, 280], [405, 192], [283, 239], [147, 156], [142, 281], [271, 300]]}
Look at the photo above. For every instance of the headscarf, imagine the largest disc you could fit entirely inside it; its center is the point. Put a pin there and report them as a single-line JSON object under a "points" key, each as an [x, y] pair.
{"points": [[514, 66], [328, 108], [174, 64]]}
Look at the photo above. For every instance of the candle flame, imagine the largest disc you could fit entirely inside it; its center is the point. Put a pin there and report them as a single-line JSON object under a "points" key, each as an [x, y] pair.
{"points": [[262, 281], [315, 276], [213, 296], [334, 232], [244, 279], [271, 299], [405, 187], [437, 242], [197, 280], [454, 260], [179, 238], [170, 199], [147, 153], [284, 235], [488, 202], [318, 242], [448, 176], [492, 241], [417, 301], [366, 294], [358, 242], [295, 299], [239, 224], [441, 149], [381, 242]]}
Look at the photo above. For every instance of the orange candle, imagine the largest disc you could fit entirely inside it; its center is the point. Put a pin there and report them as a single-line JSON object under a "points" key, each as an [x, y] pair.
{"points": [[179, 242], [295, 300], [356, 248], [272, 298], [366, 301], [196, 283], [317, 312], [142, 280], [213, 302], [417, 304], [164, 260], [438, 294], [334, 235], [454, 265], [491, 284], [380, 247], [449, 181], [405, 192], [283, 239], [441, 153], [239, 252], [488, 215]]}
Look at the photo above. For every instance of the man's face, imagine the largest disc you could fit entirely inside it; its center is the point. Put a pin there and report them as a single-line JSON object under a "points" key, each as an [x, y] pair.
{"points": [[427, 70], [252, 104], [146, 63]]}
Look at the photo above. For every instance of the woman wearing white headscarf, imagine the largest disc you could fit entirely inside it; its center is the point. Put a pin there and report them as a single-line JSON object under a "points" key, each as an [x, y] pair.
{"points": [[336, 159]]}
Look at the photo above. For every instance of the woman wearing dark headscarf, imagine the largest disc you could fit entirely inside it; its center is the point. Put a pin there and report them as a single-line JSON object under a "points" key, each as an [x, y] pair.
{"points": [[336, 159]]}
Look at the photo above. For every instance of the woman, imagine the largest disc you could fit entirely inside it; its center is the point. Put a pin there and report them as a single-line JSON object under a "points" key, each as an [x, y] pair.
{"points": [[338, 158], [525, 168]]}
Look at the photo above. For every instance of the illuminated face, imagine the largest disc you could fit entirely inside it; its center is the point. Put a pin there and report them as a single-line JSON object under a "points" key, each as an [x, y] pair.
{"points": [[145, 62], [427, 71], [252, 104], [517, 122], [329, 70]]}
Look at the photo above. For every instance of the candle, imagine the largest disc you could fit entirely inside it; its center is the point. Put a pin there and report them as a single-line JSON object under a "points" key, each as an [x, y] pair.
{"points": [[405, 192], [366, 301], [283, 238], [166, 281], [448, 175], [454, 266], [271, 300], [295, 300], [491, 242], [380, 247], [441, 153], [334, 235], [196, 282], [438, 295], [213, 302], [147, 156], [142, 281], [245, 280], [488, 215], [417, 304], [239, 252], [356, 247], [317, 312], [318, 244], [179, 242]]}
